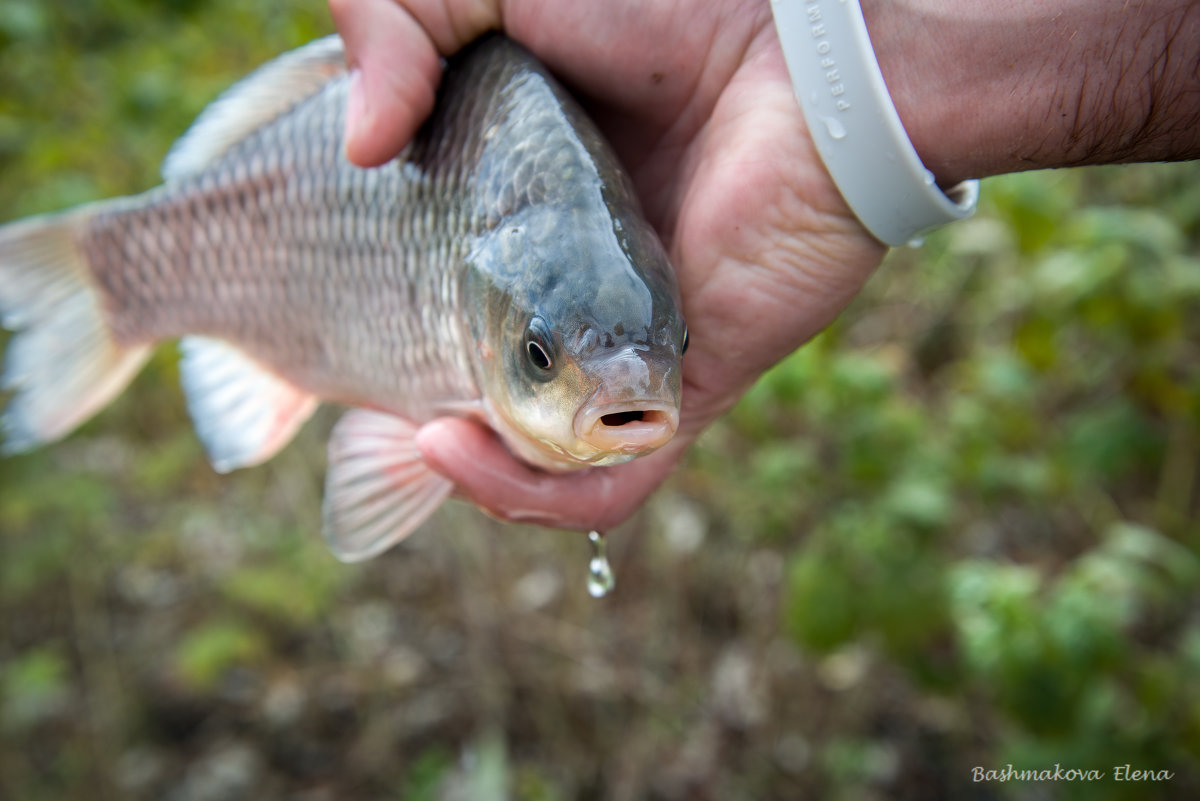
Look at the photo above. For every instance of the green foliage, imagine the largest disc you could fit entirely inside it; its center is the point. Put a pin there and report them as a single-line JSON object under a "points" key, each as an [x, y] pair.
{"points": [[1015, 522], [428, 775], [95, 92], [205, 654], [33, 688]]}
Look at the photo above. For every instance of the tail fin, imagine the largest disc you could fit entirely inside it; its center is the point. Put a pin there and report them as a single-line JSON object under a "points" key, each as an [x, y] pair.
{"points": [[62, 363]]}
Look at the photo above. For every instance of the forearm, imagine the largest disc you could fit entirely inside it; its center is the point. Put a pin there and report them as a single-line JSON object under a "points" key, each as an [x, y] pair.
{"points": [[986, 87]]}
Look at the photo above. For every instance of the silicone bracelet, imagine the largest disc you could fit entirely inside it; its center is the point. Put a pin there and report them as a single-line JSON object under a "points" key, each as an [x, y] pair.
{"points": [[854, 124]]}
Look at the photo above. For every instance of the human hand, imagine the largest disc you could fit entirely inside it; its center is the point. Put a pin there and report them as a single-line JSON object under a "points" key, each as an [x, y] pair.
{"points": [[697, 102]]}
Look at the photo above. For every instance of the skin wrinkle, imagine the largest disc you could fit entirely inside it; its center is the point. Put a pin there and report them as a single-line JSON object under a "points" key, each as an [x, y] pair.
{"points": [[730, 77], [737, 147], [1114, 111], [1075, 133], [1157, 88], [1060, 116], [453, 25], [1124, 106], [1099, 113], [786, 218], [1153, 128], [692, 129], [779, 258]]}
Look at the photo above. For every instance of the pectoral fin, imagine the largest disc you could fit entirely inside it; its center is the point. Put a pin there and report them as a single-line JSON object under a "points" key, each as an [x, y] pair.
{"points": [[377, 490], [243, 413]]}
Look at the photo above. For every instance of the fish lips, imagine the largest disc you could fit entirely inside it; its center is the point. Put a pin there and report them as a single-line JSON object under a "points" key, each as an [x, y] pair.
{"points": [[635, 406], [626, 428]]}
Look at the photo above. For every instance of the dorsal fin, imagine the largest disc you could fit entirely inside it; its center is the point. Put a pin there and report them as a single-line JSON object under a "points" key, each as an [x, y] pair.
{"points": [[256, 100]]}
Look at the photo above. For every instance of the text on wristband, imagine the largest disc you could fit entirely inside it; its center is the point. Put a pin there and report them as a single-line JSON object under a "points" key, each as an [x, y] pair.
{"points": [[824, 51]]}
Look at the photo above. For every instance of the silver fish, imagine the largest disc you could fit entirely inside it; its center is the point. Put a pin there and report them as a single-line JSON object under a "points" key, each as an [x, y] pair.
{"points": [[499, 269]]}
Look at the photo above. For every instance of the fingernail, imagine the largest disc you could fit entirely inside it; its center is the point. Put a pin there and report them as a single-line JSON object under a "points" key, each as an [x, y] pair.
{"points": [[430, 440], [356, 108]]}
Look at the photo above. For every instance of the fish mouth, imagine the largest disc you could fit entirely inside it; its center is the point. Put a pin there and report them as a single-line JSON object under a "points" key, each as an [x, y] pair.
{"points": [[630, 428]]}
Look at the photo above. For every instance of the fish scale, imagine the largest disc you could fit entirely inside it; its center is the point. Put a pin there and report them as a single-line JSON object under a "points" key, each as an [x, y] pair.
{"points": [[229, 222], [500, 268]]}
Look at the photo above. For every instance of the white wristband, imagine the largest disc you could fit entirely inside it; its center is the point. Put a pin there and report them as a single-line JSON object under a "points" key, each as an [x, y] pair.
{"points": [[854, 124]]}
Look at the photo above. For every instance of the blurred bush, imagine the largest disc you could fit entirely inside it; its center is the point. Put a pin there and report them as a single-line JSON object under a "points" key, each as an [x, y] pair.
{"points": [[1007, 504], [957, 530]]}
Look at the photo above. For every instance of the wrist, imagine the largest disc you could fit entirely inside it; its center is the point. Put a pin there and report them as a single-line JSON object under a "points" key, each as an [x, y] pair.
{"points": [[855, 127], [986, 87]]}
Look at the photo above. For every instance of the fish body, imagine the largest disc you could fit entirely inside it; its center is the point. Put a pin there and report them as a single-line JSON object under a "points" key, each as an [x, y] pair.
{"points": [[500, 268]]}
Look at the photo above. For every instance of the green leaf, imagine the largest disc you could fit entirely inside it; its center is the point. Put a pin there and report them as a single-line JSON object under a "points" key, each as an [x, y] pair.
{"points": [[822, 603], [209, 650], [33, 687]]}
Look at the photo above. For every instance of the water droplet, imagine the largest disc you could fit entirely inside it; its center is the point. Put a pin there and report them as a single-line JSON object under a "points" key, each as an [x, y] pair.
{"points": [[835, 127], [600, 580]]}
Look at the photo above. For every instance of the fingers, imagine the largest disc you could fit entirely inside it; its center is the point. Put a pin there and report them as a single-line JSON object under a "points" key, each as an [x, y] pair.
{"points": [[393, 48], [487, 475], [396, 71]]}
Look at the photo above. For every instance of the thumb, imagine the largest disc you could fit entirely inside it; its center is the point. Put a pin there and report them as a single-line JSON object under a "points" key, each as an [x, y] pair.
{"points": [[395, 71]]}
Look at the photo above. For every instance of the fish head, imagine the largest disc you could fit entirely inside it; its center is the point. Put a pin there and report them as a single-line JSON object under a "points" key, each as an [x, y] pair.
{"points": [[580, 340]]}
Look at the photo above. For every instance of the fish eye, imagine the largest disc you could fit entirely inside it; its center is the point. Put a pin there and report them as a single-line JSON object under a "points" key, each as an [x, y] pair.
{"points": [[538, 356], [539, 347], [686, 341]]}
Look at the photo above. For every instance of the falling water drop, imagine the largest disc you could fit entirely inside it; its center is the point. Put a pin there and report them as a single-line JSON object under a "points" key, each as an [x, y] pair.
{"points": [[600, 580]]}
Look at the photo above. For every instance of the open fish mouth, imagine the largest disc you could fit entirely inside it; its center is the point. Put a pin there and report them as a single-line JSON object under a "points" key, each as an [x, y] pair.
{"points": [[630, 427]]}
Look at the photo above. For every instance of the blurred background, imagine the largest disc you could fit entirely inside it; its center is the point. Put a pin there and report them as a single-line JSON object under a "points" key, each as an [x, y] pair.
{"points": [[957, 531]]}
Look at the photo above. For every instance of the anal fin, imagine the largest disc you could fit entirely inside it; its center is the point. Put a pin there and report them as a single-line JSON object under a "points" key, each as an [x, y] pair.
{"points": [[243, 413], [378, 490]]}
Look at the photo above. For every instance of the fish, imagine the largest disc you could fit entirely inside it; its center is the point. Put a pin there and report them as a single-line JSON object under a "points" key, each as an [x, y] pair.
{"points": [[499, 269]]}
